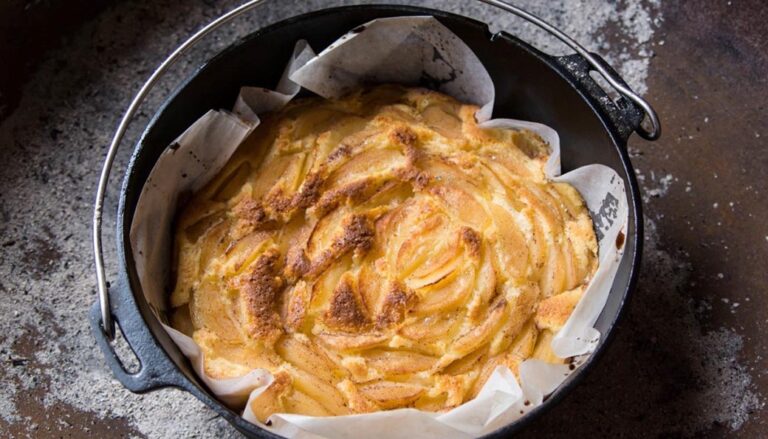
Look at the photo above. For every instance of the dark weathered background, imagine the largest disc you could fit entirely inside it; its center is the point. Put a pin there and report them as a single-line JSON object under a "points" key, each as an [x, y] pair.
{"points": [[688, 360]]}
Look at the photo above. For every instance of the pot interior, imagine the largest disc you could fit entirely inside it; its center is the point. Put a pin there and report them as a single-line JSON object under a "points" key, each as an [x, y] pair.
{"points": [[529, 86]]}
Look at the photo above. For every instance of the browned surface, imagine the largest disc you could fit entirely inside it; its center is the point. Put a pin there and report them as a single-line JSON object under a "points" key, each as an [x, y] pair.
{"points": [[708, 82]]}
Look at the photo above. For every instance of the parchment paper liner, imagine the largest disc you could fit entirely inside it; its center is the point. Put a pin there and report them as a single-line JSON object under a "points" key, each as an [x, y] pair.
{"points": [[410, 51]]}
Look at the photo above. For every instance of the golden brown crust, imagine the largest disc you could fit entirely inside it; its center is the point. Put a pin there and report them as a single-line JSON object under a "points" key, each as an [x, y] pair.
{"points": [[379, 251], [345, 311], [554, 311], [471, 240], [396, 304], [260, 290], [356, 235]]}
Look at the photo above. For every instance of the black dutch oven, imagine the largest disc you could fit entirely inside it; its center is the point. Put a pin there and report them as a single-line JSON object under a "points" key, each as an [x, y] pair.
{"points": [[530, 85]]}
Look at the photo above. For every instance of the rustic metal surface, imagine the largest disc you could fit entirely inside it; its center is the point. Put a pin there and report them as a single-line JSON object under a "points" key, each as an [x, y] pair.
{"points": [[689, 359]]}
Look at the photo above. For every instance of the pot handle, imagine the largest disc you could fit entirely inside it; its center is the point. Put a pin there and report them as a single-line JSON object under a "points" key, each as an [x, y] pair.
{"points": [[595, 63], [625, 115], [155, 368]]}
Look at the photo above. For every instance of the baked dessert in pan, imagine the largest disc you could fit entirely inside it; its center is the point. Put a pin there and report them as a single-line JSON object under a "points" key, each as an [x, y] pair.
{"points": [[379, 251]]}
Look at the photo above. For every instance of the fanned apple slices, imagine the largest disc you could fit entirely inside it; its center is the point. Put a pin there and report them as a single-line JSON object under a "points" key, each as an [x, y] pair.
{"points": [[379, 251]]}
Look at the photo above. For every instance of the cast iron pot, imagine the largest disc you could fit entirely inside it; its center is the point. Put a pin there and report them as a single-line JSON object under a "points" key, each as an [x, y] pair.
{"points": [[530, 85]]}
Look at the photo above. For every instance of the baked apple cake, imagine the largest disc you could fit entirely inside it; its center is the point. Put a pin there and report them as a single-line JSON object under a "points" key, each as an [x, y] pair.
{"points": [[379, 251]]}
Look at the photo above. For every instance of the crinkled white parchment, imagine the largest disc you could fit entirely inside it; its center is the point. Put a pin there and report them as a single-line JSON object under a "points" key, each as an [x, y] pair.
{"points": [[411, 51]]}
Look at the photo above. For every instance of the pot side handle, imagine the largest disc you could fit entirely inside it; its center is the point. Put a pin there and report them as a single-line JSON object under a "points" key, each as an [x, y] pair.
{"points": [[155, 368], [626, 116]]}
